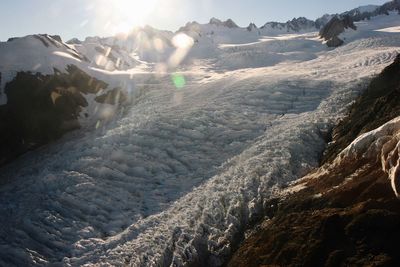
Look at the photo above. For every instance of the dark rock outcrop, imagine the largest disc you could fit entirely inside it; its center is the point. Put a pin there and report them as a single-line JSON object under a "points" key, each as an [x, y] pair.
{"points": [[57, 38], [334, 42], [344, 213], [74, 41], [228, 23], [41, 108], [252, 27], [388, 7], [334, 28], [330, 30], [301, 23], [346, 217]]}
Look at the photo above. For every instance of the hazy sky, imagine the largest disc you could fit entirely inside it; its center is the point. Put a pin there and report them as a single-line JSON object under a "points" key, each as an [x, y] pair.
{"points": [[81, 18]]}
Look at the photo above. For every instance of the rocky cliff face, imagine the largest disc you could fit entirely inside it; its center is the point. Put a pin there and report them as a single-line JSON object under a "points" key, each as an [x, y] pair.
{"points": [[346, 213], [393, 5], [333, 26], [379, 104], [331, 31], [41, 108]]}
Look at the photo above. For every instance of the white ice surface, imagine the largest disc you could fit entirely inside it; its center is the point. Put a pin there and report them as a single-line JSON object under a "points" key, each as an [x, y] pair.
{"points": [[177, 175]]}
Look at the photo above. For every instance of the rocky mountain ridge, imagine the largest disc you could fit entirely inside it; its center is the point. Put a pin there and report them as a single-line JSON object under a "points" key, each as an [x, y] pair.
{"points": [[339, 23]]}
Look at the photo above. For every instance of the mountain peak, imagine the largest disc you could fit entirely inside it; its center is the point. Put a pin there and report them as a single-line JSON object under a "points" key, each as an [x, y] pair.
{"points": [[215, 21], [74, 41], [252, 27], [228, 23]]}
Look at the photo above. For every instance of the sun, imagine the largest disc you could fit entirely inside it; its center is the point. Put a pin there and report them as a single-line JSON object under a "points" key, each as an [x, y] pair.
{"points": [[123, 15]]}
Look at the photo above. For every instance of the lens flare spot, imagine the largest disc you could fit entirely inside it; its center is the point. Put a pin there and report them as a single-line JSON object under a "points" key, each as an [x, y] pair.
{"points": [[178, 80], [182, 41]]}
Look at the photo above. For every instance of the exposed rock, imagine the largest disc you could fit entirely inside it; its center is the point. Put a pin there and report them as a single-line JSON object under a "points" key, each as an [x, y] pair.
{"points": [[294, 25], [322, 21], [74, 41], [48, 40], [41, 108], [57, 38], [301, 23], [358, 14], [345, 213], [380, 103], [215, 21], [273, 25], [229, 23], [334, 28], [387, 7], [334, 42], [252, 27]]}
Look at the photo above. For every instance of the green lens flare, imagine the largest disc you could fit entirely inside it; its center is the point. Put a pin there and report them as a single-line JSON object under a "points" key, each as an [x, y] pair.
{"points": [[178, 80]]}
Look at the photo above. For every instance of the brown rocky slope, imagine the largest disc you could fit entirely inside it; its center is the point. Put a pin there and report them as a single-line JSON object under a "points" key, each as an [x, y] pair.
{"points": [[345, 213]]}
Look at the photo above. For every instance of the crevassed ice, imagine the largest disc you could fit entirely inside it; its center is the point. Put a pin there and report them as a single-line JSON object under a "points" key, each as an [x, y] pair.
{"points": [[176, 178]]}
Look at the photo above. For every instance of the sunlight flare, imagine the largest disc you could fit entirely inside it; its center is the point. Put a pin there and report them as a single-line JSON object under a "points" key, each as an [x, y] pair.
{"points": [[182, 41], [123, 15]]}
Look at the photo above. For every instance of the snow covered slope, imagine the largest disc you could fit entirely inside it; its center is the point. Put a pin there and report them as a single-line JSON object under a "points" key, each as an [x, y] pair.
{"points": [[177, 176], [36, 53], [368, 8]]}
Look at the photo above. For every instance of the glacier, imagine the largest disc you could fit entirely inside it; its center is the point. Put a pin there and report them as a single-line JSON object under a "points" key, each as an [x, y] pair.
{"points": [[174, 178]]}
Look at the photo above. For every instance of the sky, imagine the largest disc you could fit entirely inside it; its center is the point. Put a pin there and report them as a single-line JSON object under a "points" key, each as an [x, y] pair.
{"points": [[82, 18]]}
